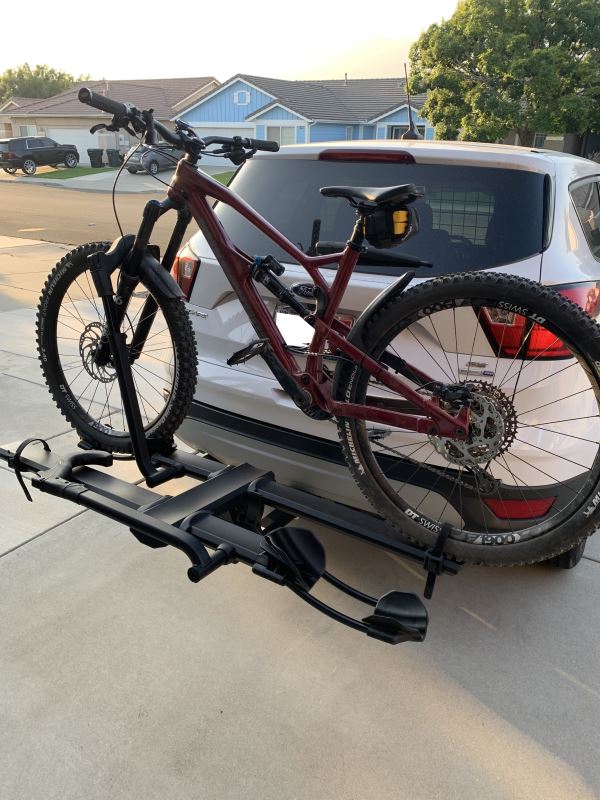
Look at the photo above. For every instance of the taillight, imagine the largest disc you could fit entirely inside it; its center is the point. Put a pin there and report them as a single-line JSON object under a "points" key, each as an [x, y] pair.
{"points": [[11, 155], [184, 270], [519, 509], [514, 334], [389, 156]]}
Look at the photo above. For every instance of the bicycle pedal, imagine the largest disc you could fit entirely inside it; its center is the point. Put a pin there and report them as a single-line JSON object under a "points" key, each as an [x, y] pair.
{"points": [[398, 617], [255, 348]]}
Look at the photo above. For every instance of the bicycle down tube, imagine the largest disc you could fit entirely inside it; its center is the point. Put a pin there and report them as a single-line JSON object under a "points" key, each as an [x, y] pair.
{"points": [[195, 187]]}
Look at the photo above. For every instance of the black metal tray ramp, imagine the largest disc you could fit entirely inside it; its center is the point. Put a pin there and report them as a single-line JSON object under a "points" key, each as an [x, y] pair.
{"points": [[241, 514]]}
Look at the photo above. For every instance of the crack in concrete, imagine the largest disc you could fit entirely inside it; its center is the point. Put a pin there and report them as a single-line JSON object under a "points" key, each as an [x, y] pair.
{"points": [[42, 533]]}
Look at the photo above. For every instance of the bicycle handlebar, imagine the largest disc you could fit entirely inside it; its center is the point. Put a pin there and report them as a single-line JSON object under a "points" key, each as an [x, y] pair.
{"points": [[105, 103], [142, 119], [261, 144]]}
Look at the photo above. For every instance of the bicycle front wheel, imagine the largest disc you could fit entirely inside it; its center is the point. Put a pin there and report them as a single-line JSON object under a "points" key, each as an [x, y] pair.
{"points": [[525, 485], [70, 328]]}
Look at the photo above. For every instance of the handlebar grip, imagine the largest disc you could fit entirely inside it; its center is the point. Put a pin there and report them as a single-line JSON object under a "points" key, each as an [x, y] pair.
{"points": [[103, 103], [262, 144]]}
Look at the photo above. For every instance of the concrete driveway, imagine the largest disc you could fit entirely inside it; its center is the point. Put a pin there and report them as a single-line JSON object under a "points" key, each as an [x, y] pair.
{"points": [[120, 679]]}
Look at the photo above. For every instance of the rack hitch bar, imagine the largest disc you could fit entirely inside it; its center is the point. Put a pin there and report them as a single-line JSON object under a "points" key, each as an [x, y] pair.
{"points": [[243, 515]]}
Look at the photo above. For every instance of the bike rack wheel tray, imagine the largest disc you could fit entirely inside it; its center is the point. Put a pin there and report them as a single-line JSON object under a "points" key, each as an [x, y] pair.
{"points": [[243, 515]]}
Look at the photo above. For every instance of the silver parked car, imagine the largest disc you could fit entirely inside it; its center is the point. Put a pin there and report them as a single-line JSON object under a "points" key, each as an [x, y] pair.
{"points": [[152, 159], [532, 213]]}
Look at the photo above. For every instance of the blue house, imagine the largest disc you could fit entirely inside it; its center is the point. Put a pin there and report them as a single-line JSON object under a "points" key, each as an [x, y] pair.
{"points": [[296, 112]]}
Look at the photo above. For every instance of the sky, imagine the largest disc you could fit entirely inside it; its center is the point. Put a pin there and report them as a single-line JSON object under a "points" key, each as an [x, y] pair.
{"points": [[306, 40]]}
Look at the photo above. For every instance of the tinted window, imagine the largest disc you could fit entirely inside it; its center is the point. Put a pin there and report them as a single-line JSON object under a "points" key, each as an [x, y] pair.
{"points": [[34, 144], [587, 204], [470, 217], [48, 143], [14, 145]]}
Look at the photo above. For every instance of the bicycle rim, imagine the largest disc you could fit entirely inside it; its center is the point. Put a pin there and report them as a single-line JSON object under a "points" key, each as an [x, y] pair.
{"points": [[533, 458], [93, 388]]}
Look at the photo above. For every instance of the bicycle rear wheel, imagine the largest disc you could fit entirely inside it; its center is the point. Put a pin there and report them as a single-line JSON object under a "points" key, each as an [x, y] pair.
{"points": [[70, 326], [525, 486]]}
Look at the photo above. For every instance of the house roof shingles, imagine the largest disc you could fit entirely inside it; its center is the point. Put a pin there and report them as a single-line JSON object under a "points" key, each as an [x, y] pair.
{"points": [[161, 94], [19, 102], [348, 100]]}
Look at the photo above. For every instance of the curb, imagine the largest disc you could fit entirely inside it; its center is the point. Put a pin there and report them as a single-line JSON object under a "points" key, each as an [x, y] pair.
{"points": [[60, 185]]}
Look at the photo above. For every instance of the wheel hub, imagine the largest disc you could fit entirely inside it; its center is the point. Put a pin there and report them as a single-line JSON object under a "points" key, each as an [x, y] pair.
{"points": [[89, 343], [492, 429]]}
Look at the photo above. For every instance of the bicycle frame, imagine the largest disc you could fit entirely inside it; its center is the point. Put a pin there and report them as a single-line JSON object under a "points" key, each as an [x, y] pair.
{"points": [[195, 187]]}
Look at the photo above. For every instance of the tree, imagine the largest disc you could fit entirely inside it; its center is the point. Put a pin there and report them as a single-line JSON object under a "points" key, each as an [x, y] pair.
{"points": [[41, 81], [502, 65]]}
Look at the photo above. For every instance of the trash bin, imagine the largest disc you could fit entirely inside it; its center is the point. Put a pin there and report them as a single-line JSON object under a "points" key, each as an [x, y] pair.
{"points": [[114, 157], [95, 157]]}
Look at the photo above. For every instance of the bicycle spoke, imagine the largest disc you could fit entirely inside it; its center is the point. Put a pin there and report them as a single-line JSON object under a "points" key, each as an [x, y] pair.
{"points": [[550, 452], [552, 402], [416, 338], [559, 433]]}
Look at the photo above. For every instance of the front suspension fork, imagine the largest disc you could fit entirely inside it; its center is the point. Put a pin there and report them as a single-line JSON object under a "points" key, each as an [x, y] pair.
{"points": [[129, 276]]}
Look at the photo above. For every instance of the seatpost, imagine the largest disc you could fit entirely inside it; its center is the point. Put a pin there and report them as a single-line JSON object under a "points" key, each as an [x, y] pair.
{"points": [[355, 242]]}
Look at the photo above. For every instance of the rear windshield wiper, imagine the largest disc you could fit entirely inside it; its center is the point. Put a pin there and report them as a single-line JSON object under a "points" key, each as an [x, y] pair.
{"points": [[369, 255]]}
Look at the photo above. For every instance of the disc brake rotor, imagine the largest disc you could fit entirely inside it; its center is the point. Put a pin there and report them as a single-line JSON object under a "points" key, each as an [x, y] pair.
{"points": [[89, 342]]}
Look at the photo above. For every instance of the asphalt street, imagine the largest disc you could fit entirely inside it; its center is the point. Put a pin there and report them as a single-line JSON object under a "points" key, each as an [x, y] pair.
{"points": [[73, 217]]}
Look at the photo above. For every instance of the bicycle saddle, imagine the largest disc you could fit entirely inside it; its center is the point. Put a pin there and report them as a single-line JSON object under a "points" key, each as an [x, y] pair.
{"points": [[378, 194]]}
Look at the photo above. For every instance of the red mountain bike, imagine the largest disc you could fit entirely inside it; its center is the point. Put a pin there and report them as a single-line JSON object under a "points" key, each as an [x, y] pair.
{"points": [[508, 456]]}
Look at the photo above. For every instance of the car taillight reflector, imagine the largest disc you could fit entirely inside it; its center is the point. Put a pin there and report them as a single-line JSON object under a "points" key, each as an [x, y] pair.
{"points": [[513, 333], [519, 509], [398, 157], [184, 270]]}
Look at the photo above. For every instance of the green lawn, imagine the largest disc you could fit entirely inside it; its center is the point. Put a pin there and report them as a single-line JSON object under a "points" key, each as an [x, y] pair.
{"points": [[224, 177], [65, 174]]}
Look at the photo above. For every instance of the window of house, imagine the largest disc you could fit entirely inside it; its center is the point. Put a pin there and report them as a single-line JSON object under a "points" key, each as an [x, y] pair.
{"points": [[27, 130], [586, 200], [282, 134], [241, 98], [349, 132], [396, 131]]}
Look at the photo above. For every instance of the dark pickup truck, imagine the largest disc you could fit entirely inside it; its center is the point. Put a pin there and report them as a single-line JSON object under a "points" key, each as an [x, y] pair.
{"points": [[30, 152]]}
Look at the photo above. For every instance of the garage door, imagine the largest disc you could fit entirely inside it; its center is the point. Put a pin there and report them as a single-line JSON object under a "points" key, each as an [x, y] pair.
{"points": [[202, 132], [82, 139]]}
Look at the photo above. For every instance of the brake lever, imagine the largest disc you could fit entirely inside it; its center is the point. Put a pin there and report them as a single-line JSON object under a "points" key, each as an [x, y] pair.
{"points": [[149, 132], [237, 155], [117, 124]]}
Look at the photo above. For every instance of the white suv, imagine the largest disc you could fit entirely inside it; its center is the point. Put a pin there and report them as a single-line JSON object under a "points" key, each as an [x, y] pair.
{"points": [[533, 213]]}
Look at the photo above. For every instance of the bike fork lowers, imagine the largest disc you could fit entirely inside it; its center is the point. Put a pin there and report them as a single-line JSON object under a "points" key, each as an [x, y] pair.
{"points": [[121, 353]]}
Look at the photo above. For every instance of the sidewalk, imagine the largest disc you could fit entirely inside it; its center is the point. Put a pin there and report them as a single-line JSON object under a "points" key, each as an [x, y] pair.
{"points": [[103, 181], [122, 680]]}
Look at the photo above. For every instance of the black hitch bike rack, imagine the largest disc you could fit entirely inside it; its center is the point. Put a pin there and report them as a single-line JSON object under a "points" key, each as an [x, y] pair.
{"points": [[242, 515]]}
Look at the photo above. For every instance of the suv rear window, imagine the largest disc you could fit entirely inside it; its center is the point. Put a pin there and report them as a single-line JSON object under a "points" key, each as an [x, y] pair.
{"points": [[470, 217]]}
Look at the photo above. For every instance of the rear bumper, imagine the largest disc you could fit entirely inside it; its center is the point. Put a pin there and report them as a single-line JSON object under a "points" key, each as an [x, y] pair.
{"points": [[297, 459]]}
